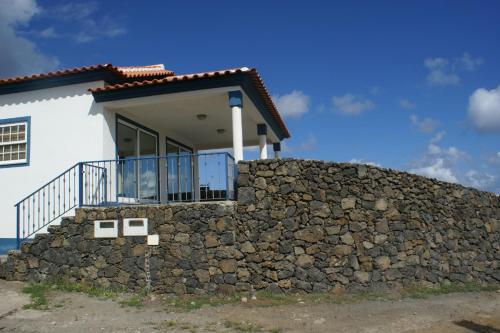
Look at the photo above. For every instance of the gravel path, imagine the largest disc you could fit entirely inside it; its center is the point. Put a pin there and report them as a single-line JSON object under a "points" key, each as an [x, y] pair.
{"points": [[74, 312]]}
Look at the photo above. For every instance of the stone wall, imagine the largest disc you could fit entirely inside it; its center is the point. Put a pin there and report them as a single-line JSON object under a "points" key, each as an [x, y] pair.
{"points": [[325, 225], [297, 226]]}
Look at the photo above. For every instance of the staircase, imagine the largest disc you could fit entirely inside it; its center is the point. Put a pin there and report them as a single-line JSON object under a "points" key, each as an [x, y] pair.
{"points": [[107, 183], [17, 264]]}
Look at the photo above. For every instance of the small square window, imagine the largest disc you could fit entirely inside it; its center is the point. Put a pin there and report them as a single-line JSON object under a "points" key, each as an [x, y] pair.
{"points": [[13, 141]]}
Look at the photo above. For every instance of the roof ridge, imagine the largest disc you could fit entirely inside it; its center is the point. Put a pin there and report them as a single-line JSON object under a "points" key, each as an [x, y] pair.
{"points": [[144, 66], [176, 77], [147, 70]]}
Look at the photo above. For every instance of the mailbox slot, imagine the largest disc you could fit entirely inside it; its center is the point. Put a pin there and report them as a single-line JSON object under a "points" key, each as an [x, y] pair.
{"points": [[135, 227], [105, 229]]}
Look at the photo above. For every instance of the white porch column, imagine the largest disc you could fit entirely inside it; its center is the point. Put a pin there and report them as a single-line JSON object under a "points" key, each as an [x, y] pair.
{"points": [[277, 149], [236, 104], [262, 132]]}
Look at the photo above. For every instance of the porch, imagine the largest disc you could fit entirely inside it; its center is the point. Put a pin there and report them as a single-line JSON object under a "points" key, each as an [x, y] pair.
{"points": [[176, 139]]}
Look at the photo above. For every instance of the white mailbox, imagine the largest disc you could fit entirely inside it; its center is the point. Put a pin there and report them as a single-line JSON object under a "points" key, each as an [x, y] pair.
{"points": [[106, 228], [135, 227], [153, 240]]}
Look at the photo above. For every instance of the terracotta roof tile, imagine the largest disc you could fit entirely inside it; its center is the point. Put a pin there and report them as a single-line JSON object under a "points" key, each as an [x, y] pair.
{"points": [[123, 72], [254, 75], [142, 71]]}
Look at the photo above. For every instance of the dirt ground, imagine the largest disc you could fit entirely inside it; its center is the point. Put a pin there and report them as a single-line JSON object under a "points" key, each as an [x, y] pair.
{"points": [[77, 312]]}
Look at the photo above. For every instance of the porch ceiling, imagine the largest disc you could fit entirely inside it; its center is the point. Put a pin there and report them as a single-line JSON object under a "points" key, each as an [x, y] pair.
{"points": [[175, 115]]}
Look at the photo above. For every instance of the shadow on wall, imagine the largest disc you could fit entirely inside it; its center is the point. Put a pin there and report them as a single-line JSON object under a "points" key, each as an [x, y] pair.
{"points": [[46, 94]]}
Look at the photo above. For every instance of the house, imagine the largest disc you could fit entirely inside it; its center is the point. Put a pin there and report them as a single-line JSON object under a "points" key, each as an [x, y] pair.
{"points": [[107, 135]]}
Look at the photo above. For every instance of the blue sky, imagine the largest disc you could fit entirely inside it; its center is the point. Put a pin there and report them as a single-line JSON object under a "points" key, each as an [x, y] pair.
{"points": [[410, 85]]}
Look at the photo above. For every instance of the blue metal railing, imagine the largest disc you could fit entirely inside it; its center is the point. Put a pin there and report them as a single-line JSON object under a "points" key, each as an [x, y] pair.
{"points": [[144, 180]]}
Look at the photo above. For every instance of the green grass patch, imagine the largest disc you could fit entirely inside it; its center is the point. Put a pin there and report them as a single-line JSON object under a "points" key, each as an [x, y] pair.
{"points": [[38, 295], [267, 298], [39, 292], [87, 288], [190, 303], [135, 301], [422, 292]]}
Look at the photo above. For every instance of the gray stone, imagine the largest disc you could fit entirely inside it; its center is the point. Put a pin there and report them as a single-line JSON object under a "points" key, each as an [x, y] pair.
{"points": [[319, 209], [383, 262], [362, 277], [381, 204], [347, 238], [246, 195], [228, 265], [305, 261], [260, 183], [247, 247], [348, 203], [312, 234]]}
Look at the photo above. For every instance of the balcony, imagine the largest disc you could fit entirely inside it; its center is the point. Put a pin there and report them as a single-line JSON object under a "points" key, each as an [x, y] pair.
{"points": [[146, 180]]}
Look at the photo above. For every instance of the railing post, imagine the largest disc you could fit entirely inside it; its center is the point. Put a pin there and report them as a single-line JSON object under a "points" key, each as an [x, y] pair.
{"points": [[227, 175], [80, 184], [18, 229], [235, 180], [105, 184]]}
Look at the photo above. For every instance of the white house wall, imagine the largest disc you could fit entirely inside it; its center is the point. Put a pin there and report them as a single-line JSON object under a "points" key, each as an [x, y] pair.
{"points": [[67, 126]]}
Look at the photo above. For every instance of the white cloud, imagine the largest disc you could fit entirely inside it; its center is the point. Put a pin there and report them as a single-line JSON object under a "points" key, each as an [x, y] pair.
{"points": [[20, 55], [433, 149], [72, 11], [468, 63], [363, 161], [436, 169], [292, 105], [445, 72], [439, 78], [439, 162], [406, 104], [82, 22], [92, 30], [484, 109], [352, 105], [450, 163], [48, 33], [438, 137], [427, 125], [479, 180]]}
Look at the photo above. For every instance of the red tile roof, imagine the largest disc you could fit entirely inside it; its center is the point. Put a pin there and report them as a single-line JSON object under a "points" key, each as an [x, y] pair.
{"points": [[123, 72], [254, 76], [157, 75]]}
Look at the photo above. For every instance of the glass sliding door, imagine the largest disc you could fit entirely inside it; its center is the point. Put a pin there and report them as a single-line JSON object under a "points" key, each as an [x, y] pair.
{"points": [[137, 175], [180, 172], [127, 167], [148, 168]]}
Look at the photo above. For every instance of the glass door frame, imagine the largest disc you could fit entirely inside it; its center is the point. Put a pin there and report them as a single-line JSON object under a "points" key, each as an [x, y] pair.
{"points": [[190, 150], [121, 120]]}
